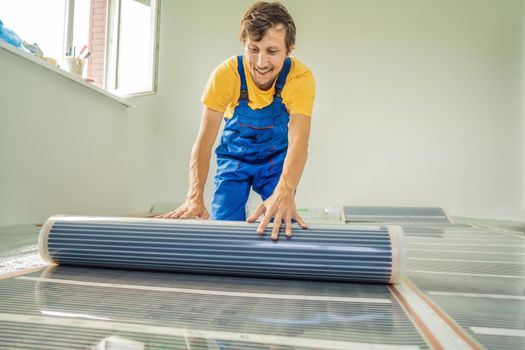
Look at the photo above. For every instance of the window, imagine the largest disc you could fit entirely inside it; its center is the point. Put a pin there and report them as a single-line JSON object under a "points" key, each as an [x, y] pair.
{"points": [[116, 40], [131, 45], [44, 24]]}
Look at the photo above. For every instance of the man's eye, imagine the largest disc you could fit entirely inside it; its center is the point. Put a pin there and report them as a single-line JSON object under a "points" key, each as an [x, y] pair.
{"points": [[253, 49], [273, 52]]}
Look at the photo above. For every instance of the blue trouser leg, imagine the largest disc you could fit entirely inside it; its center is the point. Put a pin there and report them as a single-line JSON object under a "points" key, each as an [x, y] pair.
{"points": [[266, 181], [267, 177], [266, 186], [229, 199]]}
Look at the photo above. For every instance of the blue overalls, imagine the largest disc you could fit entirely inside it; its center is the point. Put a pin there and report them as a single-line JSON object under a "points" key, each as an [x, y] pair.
{"points": [[251, 152]]}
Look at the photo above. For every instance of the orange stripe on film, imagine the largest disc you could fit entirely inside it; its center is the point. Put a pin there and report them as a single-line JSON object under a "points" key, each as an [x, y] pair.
{"points": [[418, 322], [445, 317]]}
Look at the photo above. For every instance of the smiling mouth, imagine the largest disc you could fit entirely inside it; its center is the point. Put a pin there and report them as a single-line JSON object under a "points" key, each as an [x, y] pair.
{"points": [[263, 72]]}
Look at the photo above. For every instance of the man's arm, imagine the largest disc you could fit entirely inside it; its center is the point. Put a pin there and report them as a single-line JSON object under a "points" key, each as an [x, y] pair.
{"points": [[193, 206], [281, 204]]}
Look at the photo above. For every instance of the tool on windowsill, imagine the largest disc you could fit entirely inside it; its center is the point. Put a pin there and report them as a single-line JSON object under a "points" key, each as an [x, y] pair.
{"points": [[82, 51]]}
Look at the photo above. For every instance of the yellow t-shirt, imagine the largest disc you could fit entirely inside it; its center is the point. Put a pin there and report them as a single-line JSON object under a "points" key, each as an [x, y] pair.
{"points": [[223, 89]]}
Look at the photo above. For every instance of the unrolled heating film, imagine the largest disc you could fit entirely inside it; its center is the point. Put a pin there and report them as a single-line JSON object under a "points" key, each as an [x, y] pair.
{"points": [[68, 307], [322, 252], [394, 214]]}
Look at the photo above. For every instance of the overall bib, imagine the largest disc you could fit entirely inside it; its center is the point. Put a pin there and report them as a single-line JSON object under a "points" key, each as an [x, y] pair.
{"points": [[251, 152]]}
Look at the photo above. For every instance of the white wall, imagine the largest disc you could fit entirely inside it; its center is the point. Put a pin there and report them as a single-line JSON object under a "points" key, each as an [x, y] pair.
{"points": [[418, 103], [66, 149], [195, 37], [430, 113], [523, 111]]}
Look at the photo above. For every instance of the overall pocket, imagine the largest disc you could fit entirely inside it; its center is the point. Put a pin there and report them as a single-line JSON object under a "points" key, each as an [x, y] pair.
{"points": [[259, 130]]}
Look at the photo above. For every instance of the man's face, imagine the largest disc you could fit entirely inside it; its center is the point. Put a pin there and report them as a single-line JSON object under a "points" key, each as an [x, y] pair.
{"points": [[266, 57]]}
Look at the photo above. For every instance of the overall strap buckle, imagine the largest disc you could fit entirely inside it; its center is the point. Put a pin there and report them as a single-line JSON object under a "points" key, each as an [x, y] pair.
{"points": [[244, 95]]}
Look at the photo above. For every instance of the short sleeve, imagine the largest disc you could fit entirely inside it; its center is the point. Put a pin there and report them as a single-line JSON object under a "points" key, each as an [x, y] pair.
{"points": [[218, 93], [299, 98]]}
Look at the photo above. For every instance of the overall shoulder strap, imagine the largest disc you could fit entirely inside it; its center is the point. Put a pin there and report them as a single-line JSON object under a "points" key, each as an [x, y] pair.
{"points": [[281, 79], [244, 86]]}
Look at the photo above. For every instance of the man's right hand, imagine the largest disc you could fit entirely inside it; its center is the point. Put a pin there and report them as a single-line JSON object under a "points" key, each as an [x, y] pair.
{"points": [[189, 210]]}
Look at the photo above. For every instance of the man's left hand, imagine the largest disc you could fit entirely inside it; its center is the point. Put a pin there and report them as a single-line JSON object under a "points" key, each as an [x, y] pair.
{"points": [[281, 207]]}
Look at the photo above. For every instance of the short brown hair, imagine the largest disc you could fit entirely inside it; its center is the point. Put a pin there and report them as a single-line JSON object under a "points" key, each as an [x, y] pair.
{"points": [[262, 16]]}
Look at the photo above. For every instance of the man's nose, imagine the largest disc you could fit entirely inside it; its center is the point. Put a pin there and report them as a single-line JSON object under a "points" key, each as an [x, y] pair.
{"points": [[262, 60]]}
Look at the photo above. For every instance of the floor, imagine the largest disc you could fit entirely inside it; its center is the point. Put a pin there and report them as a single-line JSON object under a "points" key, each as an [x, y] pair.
{"points": [[466, 290]]}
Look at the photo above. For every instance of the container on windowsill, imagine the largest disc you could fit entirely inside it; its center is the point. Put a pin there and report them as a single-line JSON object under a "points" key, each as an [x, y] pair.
{"points": [[74, 65]]}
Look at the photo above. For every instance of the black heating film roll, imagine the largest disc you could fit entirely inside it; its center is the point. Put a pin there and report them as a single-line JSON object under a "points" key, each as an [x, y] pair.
{"points": [[322, 252]]}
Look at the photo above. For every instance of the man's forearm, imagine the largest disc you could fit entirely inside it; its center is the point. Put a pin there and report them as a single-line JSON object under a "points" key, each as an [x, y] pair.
{"points": [[199, 168], [298, 136], [201, 154], [293, 168]]}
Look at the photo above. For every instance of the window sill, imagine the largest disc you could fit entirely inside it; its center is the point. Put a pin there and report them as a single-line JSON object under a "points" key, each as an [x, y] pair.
{"points": [[40, 62]]}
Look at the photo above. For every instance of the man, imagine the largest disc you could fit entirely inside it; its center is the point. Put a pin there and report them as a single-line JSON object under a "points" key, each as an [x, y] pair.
{"points": [[266, 99]]}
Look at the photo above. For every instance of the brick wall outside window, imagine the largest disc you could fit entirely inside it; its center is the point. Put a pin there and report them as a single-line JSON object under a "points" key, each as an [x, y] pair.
{"points": [[97, 42]]}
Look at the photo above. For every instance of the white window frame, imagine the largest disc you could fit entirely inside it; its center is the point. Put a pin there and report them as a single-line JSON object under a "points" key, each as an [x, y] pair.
{"points": [[68, 25], [112, 48]]}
